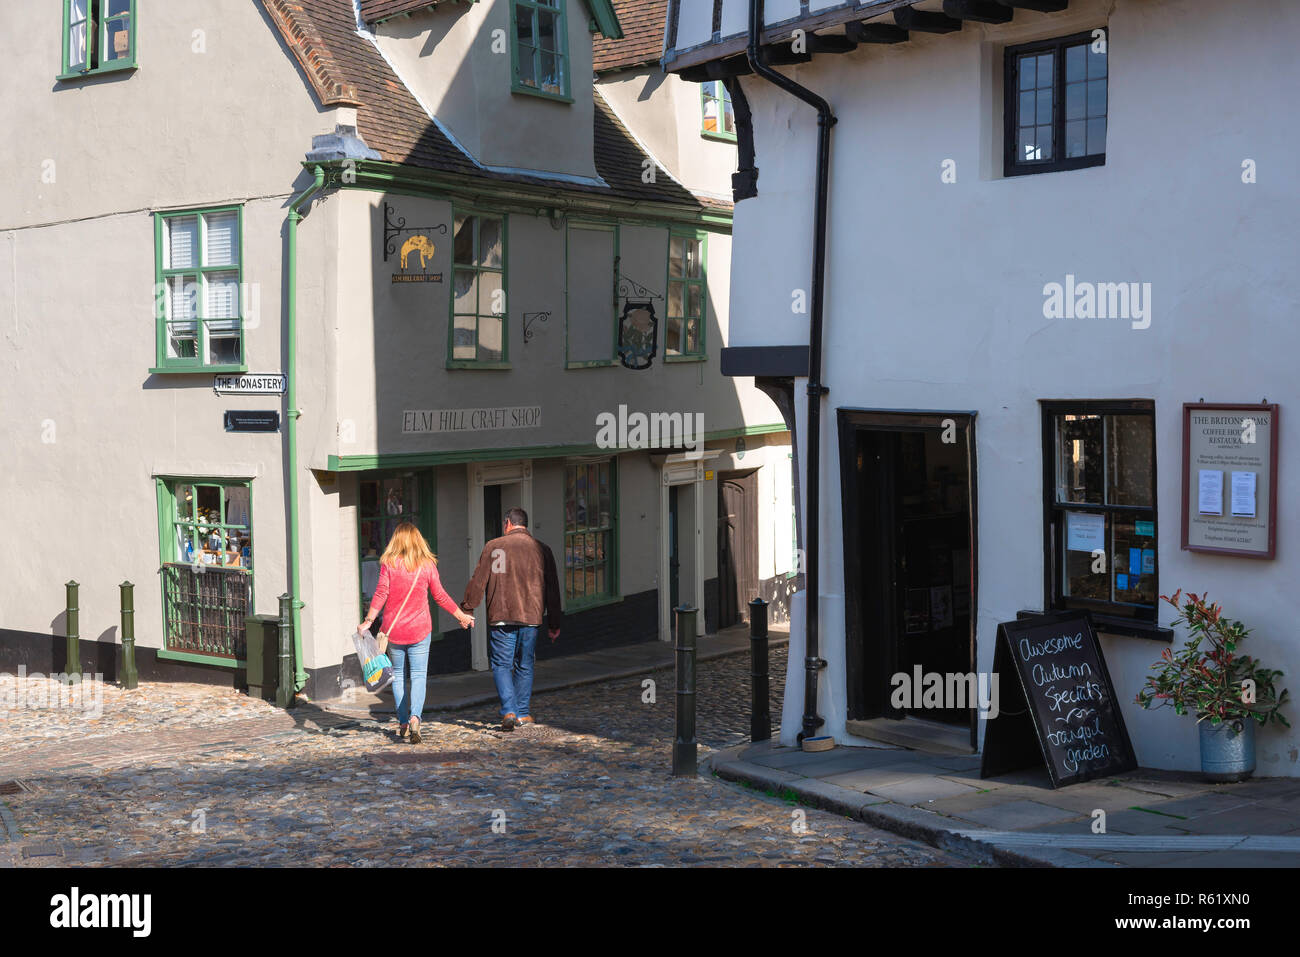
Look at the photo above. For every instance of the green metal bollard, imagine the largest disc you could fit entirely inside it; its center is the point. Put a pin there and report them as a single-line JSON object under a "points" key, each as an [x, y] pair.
{"points": [[684, 748], [284, 693], [73, 621], [130, 678]]}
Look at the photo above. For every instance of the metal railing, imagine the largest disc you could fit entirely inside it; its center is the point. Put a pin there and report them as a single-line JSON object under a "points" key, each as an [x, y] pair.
{"points": [[205, 607]]}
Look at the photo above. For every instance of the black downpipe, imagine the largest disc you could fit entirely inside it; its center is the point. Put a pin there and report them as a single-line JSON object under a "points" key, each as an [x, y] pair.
{"points": [[813, 663]]}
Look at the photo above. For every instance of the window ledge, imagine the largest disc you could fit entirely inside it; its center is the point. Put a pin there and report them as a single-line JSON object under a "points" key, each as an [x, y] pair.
{"points": [[540, 94], [720, 137], [100, 71], [691, 358], [469, 364], [195, 370], [1118, 627]]}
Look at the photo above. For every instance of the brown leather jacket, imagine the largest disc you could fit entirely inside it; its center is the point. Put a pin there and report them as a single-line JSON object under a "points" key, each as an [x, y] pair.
{"points": [[518, 574]]}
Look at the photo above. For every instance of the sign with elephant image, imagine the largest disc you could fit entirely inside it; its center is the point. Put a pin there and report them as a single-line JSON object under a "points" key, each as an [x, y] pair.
{"points": [[417, 252], [413, 246]]}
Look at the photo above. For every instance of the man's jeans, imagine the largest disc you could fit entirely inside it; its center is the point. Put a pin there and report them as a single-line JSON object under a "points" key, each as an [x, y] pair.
{"points": [[410, 662], [510, 650]]}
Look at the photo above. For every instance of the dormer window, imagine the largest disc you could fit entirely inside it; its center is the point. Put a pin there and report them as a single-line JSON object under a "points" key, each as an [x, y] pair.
{"points": [[98, 36], [540, 51]]}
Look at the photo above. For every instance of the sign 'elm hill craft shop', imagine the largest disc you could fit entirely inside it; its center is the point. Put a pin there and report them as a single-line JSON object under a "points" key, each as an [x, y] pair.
{"points": [[472, 420]]}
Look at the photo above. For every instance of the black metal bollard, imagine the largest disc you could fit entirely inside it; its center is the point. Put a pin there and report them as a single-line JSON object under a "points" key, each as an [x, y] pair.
{"points": [[284, 693], [760, 715], [684, 742], [130, 678], [73, 664]]}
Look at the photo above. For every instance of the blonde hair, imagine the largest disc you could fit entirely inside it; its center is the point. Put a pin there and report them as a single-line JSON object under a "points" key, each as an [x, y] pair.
{"points": [[407, 549]]}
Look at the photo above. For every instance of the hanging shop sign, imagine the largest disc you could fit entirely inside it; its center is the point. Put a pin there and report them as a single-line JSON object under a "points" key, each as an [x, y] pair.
{"points": [[471, 420], [244, 420], [1230, 479], [413, 244], [1058, 704], [246, 383]]}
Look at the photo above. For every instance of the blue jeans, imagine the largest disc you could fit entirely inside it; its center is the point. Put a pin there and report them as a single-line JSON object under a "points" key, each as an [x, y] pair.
{"points": [[410, 663], [510, 650]]}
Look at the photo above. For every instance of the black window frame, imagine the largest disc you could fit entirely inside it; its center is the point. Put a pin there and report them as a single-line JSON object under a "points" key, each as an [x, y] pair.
{"points": [[1107, 616], [1011, 163]]}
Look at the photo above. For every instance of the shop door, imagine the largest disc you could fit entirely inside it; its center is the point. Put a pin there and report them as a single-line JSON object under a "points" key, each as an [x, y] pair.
{"points": [[737, 546], [910, 539]]}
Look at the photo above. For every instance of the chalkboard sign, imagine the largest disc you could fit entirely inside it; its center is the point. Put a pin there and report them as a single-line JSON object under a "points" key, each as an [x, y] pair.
{"points": [[1060, 708]]}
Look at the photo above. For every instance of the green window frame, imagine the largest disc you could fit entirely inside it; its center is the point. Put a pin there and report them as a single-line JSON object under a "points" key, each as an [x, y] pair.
{"points": [[717, 114], [99, 36], [687, 308], [205, 547], [591, 226], [198, 304], [590, 532], [539, 49], [385, 499], [479, 274]]}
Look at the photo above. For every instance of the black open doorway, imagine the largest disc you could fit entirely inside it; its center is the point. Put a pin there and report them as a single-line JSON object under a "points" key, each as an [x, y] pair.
{"points": [[908, 487]]}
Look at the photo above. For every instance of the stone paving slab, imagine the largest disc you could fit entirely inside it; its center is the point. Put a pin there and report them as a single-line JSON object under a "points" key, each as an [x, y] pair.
{"points": [[1147, 810]]}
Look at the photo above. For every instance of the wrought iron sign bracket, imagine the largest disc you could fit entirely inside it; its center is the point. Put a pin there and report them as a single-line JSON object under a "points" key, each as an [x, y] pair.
{"points": [[394, 229], [530, 318]]}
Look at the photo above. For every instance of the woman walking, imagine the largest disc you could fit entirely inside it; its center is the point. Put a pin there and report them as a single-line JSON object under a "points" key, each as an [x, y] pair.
{"points": [[408, 566]]}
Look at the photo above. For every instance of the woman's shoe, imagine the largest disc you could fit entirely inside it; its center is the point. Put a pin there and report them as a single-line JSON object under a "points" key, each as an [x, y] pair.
{"points": [[415, 731], [401, 730]]}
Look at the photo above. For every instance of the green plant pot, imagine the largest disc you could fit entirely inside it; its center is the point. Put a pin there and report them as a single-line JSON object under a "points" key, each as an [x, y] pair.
{"points": [[1228, 750]]}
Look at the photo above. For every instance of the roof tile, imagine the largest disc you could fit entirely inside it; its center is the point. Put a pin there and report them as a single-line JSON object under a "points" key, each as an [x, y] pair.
{"points": [[643, 23]]}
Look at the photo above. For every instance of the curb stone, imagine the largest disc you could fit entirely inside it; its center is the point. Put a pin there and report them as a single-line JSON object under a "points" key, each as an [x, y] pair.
{"points": [[910, 822]]}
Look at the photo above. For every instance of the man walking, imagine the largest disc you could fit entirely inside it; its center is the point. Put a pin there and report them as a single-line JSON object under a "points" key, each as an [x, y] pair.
{"points": [[517, 573]]}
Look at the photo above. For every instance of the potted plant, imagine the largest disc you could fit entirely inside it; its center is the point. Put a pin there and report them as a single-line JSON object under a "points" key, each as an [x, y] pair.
{"points": [[1228, 692]]}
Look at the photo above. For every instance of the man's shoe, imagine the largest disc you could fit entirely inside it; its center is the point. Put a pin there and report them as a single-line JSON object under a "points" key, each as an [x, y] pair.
{"points": [[509, 722], [527, 721]]}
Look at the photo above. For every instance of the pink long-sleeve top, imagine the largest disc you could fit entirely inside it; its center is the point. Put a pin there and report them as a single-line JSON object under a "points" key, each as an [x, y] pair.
{"points": [[414, 622]]}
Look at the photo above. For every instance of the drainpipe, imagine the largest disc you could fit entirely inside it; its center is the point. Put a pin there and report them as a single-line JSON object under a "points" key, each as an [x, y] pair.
{"points": [[291, 401], [813, 663]]}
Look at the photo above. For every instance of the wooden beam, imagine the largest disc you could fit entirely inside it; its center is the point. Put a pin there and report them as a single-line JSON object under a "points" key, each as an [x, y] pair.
{"points": [[782, 54], [1042, 6], [981, 11], [831, 43], [909, 18], [875, 33], [717, 69]]}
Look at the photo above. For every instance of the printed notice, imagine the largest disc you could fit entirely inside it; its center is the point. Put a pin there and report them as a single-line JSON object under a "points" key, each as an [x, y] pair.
{"points": [[1211, 492], [1084, 532], [1243, 494]]}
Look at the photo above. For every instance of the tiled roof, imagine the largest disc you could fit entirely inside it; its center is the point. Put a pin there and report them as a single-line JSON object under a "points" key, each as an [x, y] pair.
{"points": [[643, 23], [372, 11], [323, 33]]}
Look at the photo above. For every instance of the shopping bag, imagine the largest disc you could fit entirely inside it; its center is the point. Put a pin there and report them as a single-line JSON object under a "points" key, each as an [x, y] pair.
{"points": [[376, 667]]}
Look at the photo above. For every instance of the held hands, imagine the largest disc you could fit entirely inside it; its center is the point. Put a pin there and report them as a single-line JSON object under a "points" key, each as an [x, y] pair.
{"points": [[465, 621]]}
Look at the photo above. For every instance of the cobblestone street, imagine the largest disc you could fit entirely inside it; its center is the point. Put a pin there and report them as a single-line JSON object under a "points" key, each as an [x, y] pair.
{"points": [[175, 774]]}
